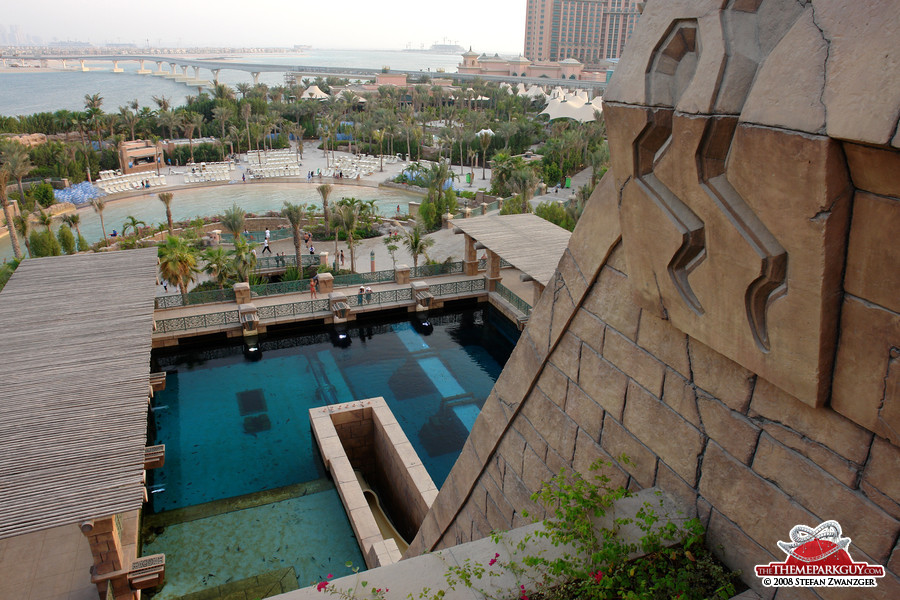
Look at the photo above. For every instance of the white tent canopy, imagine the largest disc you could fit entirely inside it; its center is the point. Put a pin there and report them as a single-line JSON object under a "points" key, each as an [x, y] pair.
{"points": [[570, 108], [313, 93]]}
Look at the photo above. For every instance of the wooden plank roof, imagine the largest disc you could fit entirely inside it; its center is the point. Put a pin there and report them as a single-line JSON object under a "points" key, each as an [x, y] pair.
{"points": [[74, 380], [529, 243]]}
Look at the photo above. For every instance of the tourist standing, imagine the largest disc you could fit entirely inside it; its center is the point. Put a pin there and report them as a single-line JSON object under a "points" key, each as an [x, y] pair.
{"points": [[312, 289], [267, 233], [368, 295], [359, 295], [342, 258]]}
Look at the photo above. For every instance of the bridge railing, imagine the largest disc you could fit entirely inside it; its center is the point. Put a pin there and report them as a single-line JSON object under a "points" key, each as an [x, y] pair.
{"points": [[510, 296], [197, 321]]}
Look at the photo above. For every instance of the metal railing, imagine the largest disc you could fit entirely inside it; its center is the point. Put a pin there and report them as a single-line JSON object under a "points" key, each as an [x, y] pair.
{"points": [[438, 269], [192, 298], [504, 264], [508, 295], [291, 309], [197, 321], [495, 205], [282, 262], [457, 287], [382, 297], [282, 287], [364, 278]]}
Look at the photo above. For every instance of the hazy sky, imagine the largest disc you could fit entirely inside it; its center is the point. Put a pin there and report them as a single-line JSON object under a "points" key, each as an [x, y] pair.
{"points": [[486, 25]]}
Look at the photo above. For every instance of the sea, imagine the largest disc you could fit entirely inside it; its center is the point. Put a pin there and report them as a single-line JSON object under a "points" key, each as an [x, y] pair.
{"points": [[47, 91]]}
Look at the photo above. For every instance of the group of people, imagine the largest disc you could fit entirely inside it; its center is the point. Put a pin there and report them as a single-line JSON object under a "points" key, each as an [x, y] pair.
{"points": [[364, 290]]}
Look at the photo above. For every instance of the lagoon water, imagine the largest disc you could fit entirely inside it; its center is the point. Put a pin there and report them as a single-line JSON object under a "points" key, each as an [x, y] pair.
{"points": [[27, 93]]}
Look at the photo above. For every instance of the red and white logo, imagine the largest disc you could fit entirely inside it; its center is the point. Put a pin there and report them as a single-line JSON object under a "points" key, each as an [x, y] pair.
{"points": [[818, 558]]}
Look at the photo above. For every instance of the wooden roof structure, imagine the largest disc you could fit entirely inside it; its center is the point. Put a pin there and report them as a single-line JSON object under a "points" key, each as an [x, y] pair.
{"points": [[529, 243], [74, 382]]}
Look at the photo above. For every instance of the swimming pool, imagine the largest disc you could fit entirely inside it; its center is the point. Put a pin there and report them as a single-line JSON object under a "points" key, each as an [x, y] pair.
{"points": [[234, 427]]}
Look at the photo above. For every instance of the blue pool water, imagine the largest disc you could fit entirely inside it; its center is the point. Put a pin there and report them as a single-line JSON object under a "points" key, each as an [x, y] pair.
{"points": [[233, 427]]}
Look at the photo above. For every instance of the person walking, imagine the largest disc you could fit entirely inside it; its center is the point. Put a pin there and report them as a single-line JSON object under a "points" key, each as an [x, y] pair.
{"points": [[342, 258], [266, 246], [267, 233]]}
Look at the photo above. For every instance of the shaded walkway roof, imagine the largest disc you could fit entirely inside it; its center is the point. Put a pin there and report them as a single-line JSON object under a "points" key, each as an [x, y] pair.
{"points": [[74, 381], [529, 243]]}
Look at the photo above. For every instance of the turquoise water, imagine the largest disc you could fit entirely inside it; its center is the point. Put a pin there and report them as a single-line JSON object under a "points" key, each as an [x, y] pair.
{"points": [[233, 427]]}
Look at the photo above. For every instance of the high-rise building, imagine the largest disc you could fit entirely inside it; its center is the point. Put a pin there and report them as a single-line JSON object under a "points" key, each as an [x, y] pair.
{"points": [[587, 30]]}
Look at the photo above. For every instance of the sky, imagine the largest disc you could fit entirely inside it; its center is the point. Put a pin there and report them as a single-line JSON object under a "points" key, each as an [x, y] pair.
{"points": [[486, 25]]}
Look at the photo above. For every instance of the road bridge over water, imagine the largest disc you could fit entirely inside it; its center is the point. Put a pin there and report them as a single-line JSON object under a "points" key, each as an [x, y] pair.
{"points": [[168, 66]]}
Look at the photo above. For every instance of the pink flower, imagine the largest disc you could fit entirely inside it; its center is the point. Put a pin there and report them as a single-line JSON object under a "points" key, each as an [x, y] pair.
{"points": [[493, 560], [598, 576], [321, 586], [523, 596], [330, 576]]}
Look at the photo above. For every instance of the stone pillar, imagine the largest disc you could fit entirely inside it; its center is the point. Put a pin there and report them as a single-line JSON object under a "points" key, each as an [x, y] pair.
{"points": [[326, 283], [484, 208], [242, 292], [493, 270], [468, 212], [447, 220], [255, 78], [215, 73], [63, 63], [159, 67], [401, 274], [196, 72], [116, 68], [106, 544], [174, 66], [184, 69], [470, 257], [323, 258], [83, 68]]}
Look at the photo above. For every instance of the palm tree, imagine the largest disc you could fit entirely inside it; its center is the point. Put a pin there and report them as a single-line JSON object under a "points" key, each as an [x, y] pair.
{"points": [[218, 264], [133, 224], [178, 264], [243, 260], [45, 219], [246, 111], [166, 199], [167, 120], [23, 228], [324, 191], [17, 163], [295, 213], [74, 220], [8, 214], [162, 102], [221, 114], [233, 221], [484, 136], [99, 204], [416, 242], [129, 119], [243, 89], [346, 217]]}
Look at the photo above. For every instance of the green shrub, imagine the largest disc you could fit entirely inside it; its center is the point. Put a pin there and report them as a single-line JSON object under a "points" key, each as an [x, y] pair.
{"points": [[43, 194], [43, 243], [66, 239], [83, 246]]}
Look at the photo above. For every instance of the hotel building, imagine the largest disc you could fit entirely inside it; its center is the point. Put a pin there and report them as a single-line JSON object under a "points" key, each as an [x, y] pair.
{"points": [[587, 30]]}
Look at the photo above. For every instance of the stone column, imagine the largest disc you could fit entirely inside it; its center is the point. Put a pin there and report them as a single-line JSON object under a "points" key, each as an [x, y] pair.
{"points": [[326, 283], [484, 208], [401, 274], [215, 73], [447, 220], [470, 257], [323, 258], [493, 270], [242, 292], [255, 78]]}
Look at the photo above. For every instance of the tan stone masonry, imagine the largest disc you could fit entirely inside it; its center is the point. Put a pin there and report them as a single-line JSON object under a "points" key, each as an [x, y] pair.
{"points": [[726, 313]]}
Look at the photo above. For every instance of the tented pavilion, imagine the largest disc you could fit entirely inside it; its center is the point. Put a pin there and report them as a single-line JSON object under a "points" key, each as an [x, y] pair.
{"points": [[75, 372], [529, 243]]}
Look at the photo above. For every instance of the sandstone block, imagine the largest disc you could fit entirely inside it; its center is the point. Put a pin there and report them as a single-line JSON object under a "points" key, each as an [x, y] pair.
{"points": [[665, 342], [873, 530], [720, 376], [669, 481], [680, 395], [488, 427], [866, 372], [634, 361], [740, 552], [610, 300], [603, 382], [862, 68], [842, 469], [732, 430], [588, 452], [873, 253], [616, 259], [553, 382], [576, 281], [518, 494], [788, 88], [883, 469], [873, 169], [677, 443], [557, 429], [590, 329], [763, 511], [598, 229], [883, 501], [821, 425], [511, 448], [517, 376], [751, 270], [566, 357], [616, 441], [584, 411], [533, 439], [562, 310], [536, 471]]}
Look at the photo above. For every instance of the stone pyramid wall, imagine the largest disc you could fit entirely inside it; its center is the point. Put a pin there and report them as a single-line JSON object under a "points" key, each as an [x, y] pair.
{"points": [[727, 312]]}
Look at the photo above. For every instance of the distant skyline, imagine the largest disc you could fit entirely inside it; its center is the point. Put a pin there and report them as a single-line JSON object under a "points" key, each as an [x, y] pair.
{"points": [[352, 24]]}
